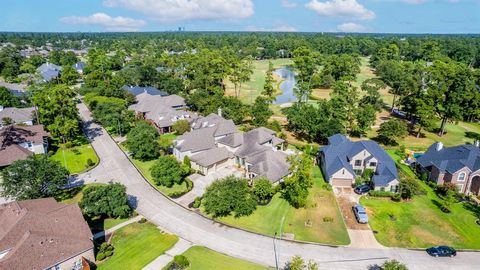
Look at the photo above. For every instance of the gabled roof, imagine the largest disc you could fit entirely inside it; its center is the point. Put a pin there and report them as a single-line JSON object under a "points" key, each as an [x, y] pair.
{"points": [[12, 136], [79, 65], [41, 233], [166, 118], [340, 151], [212, 156], [137, 90], [147, 102], [222, 126], [18, 115], [196, 140], [451, 159], [270, 164]]}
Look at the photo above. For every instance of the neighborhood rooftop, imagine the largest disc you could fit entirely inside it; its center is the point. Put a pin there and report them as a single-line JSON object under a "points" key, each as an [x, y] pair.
{"points": [[137, 90], [17, 115], [451, 159]]}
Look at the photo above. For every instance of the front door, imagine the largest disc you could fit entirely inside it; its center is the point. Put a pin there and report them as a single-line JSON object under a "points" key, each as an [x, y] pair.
{"points": [[475, 186]]}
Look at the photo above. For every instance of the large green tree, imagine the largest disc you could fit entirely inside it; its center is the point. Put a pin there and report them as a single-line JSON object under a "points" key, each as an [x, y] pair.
{"points": [[167, 171], [295, 187], [106, 201], [142, 142], [32, 178]]}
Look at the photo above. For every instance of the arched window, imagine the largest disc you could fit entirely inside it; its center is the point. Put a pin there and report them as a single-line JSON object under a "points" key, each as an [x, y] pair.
{"points": [[461, 176]]}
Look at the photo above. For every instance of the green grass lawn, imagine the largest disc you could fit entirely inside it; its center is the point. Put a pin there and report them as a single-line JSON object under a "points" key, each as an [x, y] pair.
{"points": [[251, 89], [136, 245], [75, 158], [306, 224], [202, 258], [420, 222]]}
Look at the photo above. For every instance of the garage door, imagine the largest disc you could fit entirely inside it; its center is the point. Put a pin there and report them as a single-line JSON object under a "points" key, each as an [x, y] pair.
{"points": [[341, 182]]}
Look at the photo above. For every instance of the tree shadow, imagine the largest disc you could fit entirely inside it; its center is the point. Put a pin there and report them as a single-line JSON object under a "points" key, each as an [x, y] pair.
{"points": [[437, 204], [132, 201], [474, 208], [472, 135], [374, 267]]}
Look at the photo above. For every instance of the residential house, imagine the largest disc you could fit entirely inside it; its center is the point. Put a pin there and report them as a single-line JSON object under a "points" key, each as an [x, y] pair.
{"points": [[44, 234], [459, 165], [49, 71], [137, 90], [23, 116], [19, 142], [79, 67], [17, 89], [162, 111], [342, 161]]}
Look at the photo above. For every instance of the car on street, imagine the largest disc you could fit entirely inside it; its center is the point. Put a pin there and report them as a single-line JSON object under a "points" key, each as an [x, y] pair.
{"points": [[360, 213], [442, 251], [362, 189]]}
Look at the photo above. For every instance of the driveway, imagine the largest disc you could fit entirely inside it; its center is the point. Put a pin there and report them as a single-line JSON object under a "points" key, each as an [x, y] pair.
{"points": [[194, 228], [201, 182]]}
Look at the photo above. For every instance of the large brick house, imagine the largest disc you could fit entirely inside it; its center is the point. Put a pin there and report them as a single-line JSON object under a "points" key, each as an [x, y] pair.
{"points": [[459, 165], [44, 234], [343, 160]]}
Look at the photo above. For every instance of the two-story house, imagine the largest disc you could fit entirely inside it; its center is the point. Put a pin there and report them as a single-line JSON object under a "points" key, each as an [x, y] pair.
{"points": [[459, 165], [12, 115], [19, 142], [342, 161]]}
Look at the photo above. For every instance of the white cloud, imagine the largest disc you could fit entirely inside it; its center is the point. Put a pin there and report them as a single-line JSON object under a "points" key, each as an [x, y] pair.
{"points": [[351, 27], [275, 28], [119, 23], [341, 8], [288, 4], [182, 10]]}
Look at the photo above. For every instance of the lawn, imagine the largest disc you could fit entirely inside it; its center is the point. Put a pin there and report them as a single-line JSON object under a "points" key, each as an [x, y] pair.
{"points": [[136, 245], [306, 224], [251, 89], [202, 258], [420, 222], [75, 158], [455, 134]]}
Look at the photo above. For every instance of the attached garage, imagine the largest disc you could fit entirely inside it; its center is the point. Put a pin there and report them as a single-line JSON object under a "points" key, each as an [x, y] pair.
{"points": [[338, 182], [211, 160]]}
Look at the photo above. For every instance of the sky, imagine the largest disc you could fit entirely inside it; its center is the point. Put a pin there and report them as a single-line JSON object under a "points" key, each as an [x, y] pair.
{"points": [[370, 16]]}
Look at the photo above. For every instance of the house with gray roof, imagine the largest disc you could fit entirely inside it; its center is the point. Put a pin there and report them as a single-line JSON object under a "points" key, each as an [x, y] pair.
{"points": [[14, 115], [342, 161], [49, 71], [137, 90], [19, 142], [459, 165], [17, 89], [79, 66]]}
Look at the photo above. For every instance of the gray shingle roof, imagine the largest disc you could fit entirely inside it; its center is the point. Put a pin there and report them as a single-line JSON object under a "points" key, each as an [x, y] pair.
{"points": [[79, 65], [166, 118], [270, 164], [147, 102], [451, 159], [49, 71], [18, 115], [137, 90], [222, 126], [212, 156], [196, 140], [340, 150]]}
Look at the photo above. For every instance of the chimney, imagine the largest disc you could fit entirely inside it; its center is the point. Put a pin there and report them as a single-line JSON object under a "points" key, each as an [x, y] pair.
{"points": [[477, 143], [219, 112], [439, 146]]}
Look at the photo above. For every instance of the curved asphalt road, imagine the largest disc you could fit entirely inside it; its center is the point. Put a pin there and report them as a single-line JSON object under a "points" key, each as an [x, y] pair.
{"points": [[165, 213]]}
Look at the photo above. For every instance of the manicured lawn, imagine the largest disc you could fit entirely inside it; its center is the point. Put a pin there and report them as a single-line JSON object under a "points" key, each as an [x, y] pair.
{"points": [[306, 224], [75, 158], [251, 89], [420, 222], [202, 258], [136, 245]]}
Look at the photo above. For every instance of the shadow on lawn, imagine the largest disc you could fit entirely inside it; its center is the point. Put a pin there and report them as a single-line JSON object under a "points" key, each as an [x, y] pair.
{"points": [[472, 135], [475, 209]]}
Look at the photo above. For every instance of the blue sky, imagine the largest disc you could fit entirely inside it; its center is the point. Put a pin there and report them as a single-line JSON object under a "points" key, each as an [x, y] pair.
{"points": [[380, 16]]}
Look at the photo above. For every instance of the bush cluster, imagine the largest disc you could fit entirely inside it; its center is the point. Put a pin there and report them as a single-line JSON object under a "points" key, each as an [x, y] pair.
{"points": [[104, 251]]}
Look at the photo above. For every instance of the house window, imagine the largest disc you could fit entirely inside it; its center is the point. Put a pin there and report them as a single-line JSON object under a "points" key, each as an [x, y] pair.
{"points": [[358, 163], [29, 144], [461, 177], [373, 164], [459, 188]]}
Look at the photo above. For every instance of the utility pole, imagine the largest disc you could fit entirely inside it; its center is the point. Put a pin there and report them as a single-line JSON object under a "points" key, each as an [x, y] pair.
{"points": [[277, 250]]}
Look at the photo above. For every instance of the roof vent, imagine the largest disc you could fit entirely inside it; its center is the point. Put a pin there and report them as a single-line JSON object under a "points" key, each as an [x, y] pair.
{"points": [[439, 146], [477, 143]]}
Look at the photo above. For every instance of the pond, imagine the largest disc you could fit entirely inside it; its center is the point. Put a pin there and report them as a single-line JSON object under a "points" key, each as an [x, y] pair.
{"points": [[287, 86]]}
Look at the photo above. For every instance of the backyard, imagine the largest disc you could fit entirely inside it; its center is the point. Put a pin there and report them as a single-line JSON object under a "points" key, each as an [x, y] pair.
{"points": [[136, 245], [202, 258], [75, 159], [321, 221], [420, 222]]}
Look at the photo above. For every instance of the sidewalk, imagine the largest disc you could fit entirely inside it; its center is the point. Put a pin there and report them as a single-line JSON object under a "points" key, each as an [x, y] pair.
{"points": [[161, 261], [119, 226]]}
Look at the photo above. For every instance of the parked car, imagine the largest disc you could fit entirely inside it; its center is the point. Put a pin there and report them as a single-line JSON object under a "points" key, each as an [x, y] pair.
{"points": [[360, 213], [441, 251], [362, 189]]}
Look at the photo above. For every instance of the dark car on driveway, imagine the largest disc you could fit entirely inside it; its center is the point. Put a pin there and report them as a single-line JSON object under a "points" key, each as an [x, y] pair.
{"points": [[362, 189], [441, 251]]}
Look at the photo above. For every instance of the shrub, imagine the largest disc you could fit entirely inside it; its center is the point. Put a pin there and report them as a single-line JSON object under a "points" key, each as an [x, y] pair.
{"points": [[68, 145], [327, 219], [263, 189], [396, 197], [100, 256], [187, 163], [90, 162], [377, 193], [166, 171], [142, 220], [197, 202], [424, 177], [444, 188], [181, 126], [181, 261]]}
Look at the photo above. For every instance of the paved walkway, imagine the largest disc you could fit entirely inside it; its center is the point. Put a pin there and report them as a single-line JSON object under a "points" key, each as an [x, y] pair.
{"points": [[161, 261], [234, 242], [117, 227]]}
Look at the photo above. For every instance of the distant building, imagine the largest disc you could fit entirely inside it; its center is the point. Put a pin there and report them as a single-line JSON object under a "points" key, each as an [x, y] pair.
{"points": [[49, 71], [459, 165], [16, 89], [79, 66], [23, 116], [19, 142], [137, 90], [44, 234], [343, 160]]}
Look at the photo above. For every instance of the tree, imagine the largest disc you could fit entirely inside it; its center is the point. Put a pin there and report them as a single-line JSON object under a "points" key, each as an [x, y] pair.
{"points": [[229, 195], [342, 67], [365, 119], [106, 201], [448, 200], [372, 97], [263, 189], [297, 263], [408, 187], [241, 72], [295, 187], [393, 265], [32, 178], [344, 100], [7, 99], [57, 111], [261, 112], [167, 171], [268, 90], [69, 75], [392, 130], [181, 126], [113, 114], [306, 64], [142, 141]]}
